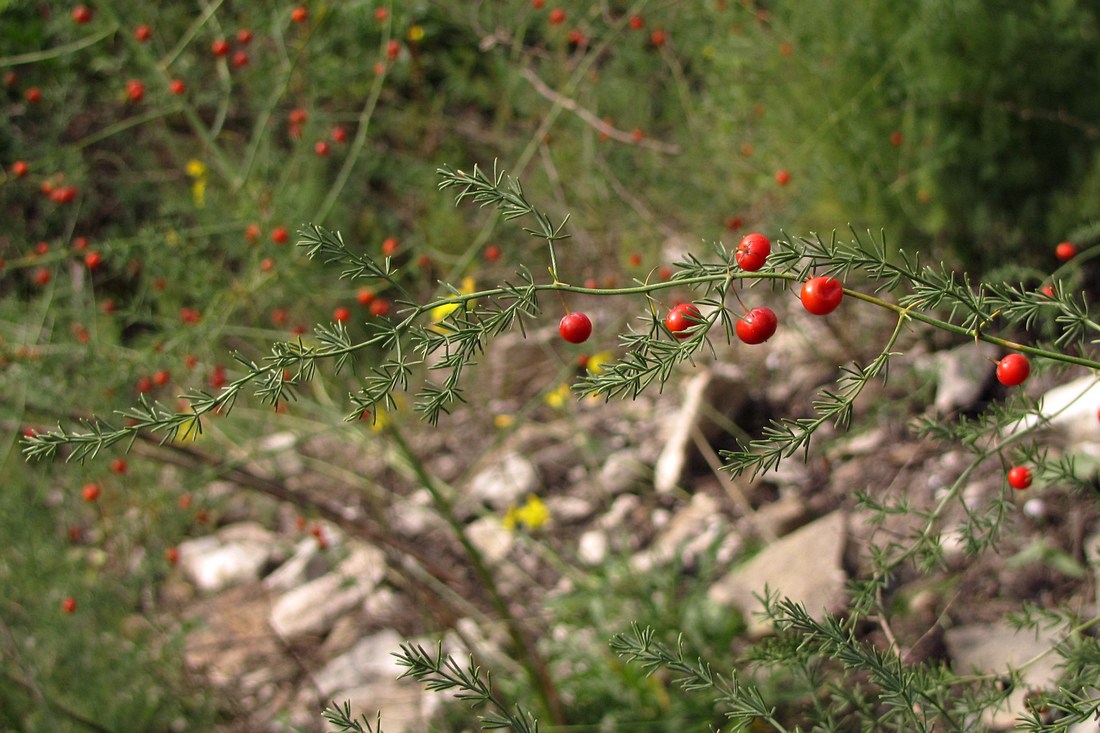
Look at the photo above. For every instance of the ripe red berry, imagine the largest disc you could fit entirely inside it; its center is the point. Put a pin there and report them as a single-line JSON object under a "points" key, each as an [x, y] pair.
{"points": [[20, 168], [575, 328], [682, 317], [42, 277], [279, 235], [637, 22], [380, 307], [557, 16], [119, 465], [1065, 251], [339, 135], [143, 33], [782, 177], [1019, 477], [81, 14], [341, 314], [135, 91], [657, 38], [240, 59], [217, 377], [300, 14], [267, 264], [92, 260], [190, 316], [1013, 370], [380, 14], [297, 116], [172, 555], [33, 95], [144, 384], [538, 4], [389, 247], [752, 252], [63, 195], [69, 605], [177, 87], [393, 50], [244, 36], [821, 295], [90, 492], [320, 148], [757, 326], [896, 139], [365, 296], [41, 248], [492, 253], [161, 377]]}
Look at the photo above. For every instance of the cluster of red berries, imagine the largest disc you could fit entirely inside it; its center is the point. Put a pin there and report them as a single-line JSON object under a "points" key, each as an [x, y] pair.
{"points": [[820, 296]]}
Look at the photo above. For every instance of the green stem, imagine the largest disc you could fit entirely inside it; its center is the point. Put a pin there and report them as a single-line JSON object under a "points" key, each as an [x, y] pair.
{"points": [[535, 667]]}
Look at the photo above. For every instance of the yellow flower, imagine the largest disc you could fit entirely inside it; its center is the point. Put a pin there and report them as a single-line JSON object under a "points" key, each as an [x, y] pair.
{"points": [[440, 312], [531, 515], [503, 421], [596, 361], [558, 397], [195, 168], [416, 34], [189, 430], [381, 419]]}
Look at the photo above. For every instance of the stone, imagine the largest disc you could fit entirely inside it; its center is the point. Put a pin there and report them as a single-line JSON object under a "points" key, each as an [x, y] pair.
{"points": [[238, 553], [368, 660], [313, 608], [622, 471], [505, 483], [1071, 409], [994, 648], [491, 538], [805, 566], [593, 547], [306, 564], [690, 531], [962, 374], [719, 388]]}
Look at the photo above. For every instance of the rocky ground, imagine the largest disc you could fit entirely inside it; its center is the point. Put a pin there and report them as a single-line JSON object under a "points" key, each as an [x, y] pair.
{"points": [[286, 615]]}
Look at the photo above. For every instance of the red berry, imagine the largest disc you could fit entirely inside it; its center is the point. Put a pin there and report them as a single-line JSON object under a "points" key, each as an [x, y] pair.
{"points": [[896, 139], [143, 33], [41, 248], [90, 492], [657, 38], [279, 235], [380, 307], [244, 36], [20, 168], [240, 59], [389, 247], [220, 47], [757, 326], [267, 264], [782, 177], [733, 223], [297, 116], [365, 296], [118, 465], [380, 14], [339, 135], [821, 295], [1019, 477], [80, 244], [637, 22], [217, 377], [635, 260], [393, 50], [341, 314], [144, 384], [92, 260], [81, 14], [33, 95], [172, 555], [190, 316], [492, 253], [42, 277], [177, 87], [299, 14], [557, 16], [161, 377], [575, 328], [1013, 370], [321, 148], [63, 195], [752, 252], [135, 90], [1065, 251], [682, 317], [69, 605], [538, 4]]}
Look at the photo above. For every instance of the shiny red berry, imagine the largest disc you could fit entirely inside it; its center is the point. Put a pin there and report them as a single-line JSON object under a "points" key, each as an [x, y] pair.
{"points": [[1065, 251], [90, 492], [821, 295], [341, 314], [782, 177], [557, 16], [20, 168], [143, 33], [279, 235], [135, 91], [82, 14], [177, 87], [69, 605], [299, 15], [681, 318], [752, 252], [757, 326], [575, 328], [220, 47], [1019, 477], [1013, 370]]}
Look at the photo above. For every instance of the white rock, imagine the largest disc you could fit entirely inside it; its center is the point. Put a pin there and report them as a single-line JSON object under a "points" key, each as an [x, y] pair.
{"points": [[505, 483], [370, 659], [491, 538], [306, 564], [235, 554], [621, 471], [314, 607], [962, 374], [1072, 409], [592, 547], [805, 566], [688, 532]]}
